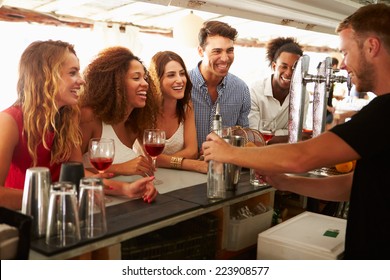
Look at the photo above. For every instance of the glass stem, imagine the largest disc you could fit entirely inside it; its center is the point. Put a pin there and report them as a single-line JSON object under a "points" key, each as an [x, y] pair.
{"points": [[154, 162]]}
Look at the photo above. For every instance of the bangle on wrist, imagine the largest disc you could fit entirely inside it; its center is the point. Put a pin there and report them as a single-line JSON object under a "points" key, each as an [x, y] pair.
{"points": [[176, 162]]}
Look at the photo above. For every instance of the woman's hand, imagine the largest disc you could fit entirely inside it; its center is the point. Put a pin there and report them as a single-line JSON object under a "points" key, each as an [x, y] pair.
{"points": [[89, 172], [140, 165], [200, 166], [151, 192], [140, 188]]}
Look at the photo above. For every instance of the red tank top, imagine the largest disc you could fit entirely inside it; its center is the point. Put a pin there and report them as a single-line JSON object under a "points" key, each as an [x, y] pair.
{"points": [[21, 159]]}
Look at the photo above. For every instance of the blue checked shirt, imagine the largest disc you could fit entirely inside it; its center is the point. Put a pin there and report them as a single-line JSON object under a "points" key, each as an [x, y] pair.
{"points": [[233, 98]]}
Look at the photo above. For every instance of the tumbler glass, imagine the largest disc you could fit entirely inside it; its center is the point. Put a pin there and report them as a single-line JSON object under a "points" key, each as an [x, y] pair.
{"points": [[92, 209], [63, 227], [257, 179]]}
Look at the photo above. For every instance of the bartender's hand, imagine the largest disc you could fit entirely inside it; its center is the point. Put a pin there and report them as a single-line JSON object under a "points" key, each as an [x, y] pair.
{"points": [[278, 181], [141, 188], [215, 148]]}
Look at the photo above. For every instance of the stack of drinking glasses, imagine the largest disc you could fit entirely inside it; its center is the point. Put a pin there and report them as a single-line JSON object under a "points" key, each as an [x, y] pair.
{"points": [[69, 221], [58, 215]]}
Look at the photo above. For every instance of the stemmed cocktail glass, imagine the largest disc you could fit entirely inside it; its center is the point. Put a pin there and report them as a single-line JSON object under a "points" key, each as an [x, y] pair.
{"points": [[267, 129]]}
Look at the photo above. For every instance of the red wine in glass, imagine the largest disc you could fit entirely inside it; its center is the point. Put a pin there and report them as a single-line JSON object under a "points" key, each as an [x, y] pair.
{"points": [[267, 129], [100, 163], [154, 143], [101, 153], [154, 149], [267, 135]]}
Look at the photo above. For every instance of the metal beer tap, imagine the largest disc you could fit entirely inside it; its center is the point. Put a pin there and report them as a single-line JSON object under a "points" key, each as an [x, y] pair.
{"points": [[324, 79]]}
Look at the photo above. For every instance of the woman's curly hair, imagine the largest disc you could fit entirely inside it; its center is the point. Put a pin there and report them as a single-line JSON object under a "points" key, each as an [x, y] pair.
{"points": [[105, 90], [278, 45]]}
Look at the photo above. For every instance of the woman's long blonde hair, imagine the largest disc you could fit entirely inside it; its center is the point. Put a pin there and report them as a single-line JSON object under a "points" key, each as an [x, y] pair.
{"points": [[38, 85]]}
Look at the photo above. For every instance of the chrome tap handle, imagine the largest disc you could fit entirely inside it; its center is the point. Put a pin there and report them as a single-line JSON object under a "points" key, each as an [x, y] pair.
{"points": [[321, 93], [324, 79], [297, 99]]}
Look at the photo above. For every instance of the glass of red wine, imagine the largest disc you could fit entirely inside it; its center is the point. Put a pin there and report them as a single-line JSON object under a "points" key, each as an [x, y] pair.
{"points": [[101, 153], [267, 129], [154, 144]]}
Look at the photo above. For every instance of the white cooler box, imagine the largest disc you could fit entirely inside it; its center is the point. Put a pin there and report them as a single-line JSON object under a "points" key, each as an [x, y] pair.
{"points": [[243, 233], [307, 236]]}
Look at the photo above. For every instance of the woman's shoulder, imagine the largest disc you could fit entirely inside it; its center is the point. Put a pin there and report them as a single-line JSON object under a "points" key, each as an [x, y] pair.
{"points": [[12, 116], [10, 127], [87, 115], [15, 111]]}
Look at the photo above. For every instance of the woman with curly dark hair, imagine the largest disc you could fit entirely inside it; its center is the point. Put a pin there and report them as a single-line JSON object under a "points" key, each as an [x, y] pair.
{"points": [[269, 95], [116, 103]]}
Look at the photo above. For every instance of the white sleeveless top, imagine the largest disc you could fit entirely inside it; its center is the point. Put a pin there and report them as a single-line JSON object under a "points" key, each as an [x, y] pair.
{"points": [[122, 152], [176, 142]]}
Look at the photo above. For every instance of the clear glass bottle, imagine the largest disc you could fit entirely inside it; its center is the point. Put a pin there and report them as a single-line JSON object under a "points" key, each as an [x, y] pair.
{"points": [[217, 122], [215, 174]]}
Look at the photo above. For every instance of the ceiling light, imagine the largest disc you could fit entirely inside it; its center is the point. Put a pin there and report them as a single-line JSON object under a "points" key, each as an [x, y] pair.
{"points": [[186, 30]]}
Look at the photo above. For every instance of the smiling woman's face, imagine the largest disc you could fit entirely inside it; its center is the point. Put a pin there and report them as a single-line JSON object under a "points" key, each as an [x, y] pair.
{"points": [[136, 85], [173, 81], [71, 81]]}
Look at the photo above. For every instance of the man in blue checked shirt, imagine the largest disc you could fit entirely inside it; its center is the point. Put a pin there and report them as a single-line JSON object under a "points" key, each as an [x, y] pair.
{"points": [[212, 82]]}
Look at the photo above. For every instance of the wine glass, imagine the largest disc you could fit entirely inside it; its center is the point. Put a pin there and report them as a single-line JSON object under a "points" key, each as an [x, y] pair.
{"points": [[267, 129], [101, 153], [154, 144]]}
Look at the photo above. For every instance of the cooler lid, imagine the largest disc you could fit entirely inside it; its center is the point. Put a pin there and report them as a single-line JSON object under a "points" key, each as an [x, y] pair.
{"points": [[310, 231]]}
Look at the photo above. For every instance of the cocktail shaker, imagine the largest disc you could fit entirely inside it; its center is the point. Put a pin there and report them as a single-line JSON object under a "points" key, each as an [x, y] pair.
{"points": [[36, 198], [232, 172]]}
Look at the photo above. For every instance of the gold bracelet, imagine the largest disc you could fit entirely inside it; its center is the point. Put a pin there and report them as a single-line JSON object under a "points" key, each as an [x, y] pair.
{"points": [[176, 162]]}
